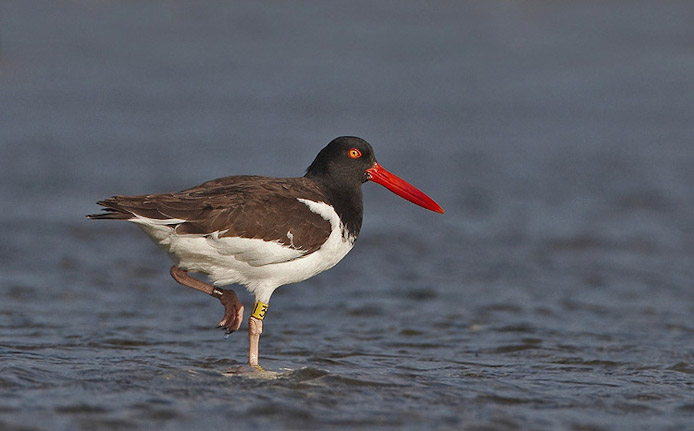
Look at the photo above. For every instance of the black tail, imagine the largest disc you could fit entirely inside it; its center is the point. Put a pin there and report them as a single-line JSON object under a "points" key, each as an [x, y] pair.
{"points": [[111, 211]]}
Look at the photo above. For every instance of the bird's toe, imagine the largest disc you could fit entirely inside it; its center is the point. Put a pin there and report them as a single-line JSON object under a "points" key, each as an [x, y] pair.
{"points": [[233, 311]]}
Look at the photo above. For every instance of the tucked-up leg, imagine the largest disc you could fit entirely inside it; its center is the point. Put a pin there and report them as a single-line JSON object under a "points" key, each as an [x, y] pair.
{"points": [[233, 308]]}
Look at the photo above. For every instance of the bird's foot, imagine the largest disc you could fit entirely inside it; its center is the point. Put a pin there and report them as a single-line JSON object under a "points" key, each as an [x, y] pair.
{"points": [[233, 310]]}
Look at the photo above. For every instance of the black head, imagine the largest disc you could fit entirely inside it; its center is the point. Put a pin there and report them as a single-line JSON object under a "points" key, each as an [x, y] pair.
{"points": [[347, 162], [344, 160]]}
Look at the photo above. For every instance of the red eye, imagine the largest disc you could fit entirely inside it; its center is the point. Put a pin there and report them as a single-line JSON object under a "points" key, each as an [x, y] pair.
{"points": [[354, 153]]}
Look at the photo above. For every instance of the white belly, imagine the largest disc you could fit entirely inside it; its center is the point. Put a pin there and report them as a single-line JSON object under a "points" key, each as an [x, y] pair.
{"points": [[261, 266]]}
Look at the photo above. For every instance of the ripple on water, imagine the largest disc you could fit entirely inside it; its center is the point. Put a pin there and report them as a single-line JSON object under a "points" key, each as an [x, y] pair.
{"points": [[301, 375], [682, 367], [30, 375], [590, 363]]}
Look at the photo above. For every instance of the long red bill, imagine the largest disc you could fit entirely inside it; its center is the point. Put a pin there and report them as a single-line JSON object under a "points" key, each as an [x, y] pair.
{"points": [[402, 188]]}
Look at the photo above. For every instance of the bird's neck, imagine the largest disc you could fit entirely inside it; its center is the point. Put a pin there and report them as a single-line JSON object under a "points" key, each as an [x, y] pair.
{"points": [[350, 208], [347, 202]]}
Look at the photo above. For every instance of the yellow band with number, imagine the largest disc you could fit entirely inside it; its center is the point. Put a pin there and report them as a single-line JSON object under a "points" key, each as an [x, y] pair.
{"points": [[259, 310]]}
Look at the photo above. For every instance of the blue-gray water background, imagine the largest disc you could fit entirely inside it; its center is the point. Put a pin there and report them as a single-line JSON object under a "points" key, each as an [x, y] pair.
{"points": [[555, 293]]}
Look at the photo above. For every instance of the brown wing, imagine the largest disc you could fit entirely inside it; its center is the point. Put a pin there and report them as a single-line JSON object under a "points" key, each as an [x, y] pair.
{"points": [[240, 206]]}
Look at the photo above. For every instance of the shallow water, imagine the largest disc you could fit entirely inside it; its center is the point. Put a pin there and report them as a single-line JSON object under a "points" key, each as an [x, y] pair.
{"points": [[555, 293]]}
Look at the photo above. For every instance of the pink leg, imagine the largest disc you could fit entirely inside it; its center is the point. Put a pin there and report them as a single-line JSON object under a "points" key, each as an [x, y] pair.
{"points": [[255, 328], [233, 308]]}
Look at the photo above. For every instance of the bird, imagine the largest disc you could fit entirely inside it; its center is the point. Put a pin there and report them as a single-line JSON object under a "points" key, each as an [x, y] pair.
{"points": [[262, 232]]}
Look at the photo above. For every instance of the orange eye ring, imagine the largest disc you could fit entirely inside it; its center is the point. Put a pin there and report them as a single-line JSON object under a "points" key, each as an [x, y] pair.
{"points": [[353, 153]]}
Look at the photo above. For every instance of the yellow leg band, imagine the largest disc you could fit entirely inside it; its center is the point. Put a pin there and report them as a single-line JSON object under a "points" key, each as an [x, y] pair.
{"points": [[259, 310]]}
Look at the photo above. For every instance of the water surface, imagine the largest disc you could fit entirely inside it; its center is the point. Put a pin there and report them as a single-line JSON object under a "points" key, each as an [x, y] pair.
{"points": [[555, 293]]}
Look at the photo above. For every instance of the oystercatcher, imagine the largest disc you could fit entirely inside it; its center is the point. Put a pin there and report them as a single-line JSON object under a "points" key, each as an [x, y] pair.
{"points": [[263, 232]]}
